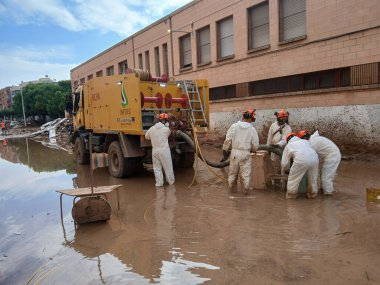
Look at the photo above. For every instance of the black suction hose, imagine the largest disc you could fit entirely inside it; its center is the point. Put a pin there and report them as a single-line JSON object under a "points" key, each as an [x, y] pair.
{"points": [[223, 164]]}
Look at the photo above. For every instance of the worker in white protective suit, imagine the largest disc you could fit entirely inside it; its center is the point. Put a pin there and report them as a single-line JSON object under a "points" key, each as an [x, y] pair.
{"points": [[305, 159], [161, 155], [241, 139], [329, 157], [277, 136]]}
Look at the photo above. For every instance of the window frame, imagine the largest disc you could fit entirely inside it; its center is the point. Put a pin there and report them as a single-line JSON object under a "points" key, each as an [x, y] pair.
{"points": [[140, 61], [157, 63], [182, 53], [121, 66], [165, 58], [218, 39], [99, 73], [281, 25], [199, 47], [147, 60], [250, 37], [110, 70]]}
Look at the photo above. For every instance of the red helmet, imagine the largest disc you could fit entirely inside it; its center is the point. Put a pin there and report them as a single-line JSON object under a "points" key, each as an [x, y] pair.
{"points": [[250, 113], [163, 116], [289, 136], [304, 134], [282, 114]]}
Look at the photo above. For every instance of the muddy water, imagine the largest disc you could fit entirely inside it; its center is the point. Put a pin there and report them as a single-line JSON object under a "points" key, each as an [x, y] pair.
{"points": [[181, 235]]}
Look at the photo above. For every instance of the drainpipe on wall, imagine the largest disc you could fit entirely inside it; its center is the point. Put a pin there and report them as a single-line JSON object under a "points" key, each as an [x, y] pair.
{"points": [[133, 52], [171, 45]]}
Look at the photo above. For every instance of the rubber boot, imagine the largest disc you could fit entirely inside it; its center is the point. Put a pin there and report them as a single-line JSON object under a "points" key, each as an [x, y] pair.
{"points": [[291, 195], [233, 188]]}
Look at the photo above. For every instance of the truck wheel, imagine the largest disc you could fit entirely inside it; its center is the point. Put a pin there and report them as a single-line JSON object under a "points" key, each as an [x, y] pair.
{"points": [[81, 156], [118, 165], [187, 159]]}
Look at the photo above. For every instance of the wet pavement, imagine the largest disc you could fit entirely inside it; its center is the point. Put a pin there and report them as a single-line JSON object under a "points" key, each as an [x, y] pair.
{"points": [[182, 235]]}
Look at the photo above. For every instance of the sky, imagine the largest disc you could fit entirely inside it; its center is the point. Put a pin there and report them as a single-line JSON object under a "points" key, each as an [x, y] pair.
{"points": [[50, 37]]}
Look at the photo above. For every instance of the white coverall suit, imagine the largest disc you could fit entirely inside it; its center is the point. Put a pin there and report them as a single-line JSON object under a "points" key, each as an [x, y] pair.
{"points": [[305, 159], [329, 156], [161, 155], [242, 138], [277, 136]]}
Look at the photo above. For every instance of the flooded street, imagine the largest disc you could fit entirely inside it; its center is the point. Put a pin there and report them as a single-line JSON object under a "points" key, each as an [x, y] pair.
{"points": [[182, 235]]}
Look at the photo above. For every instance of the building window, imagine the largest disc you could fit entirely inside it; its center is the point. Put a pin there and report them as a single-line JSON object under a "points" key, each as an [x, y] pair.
{"points": [[147, 61], [123, 66], [223, 92], [165, 58], [332, 78], [90, 77], [99, 73], [157, 61], [292, 19], [225, 38], [109, 71], [203, 46], [82, 80], [185, 51], [365, 74], [140, 61], [258, 26]]}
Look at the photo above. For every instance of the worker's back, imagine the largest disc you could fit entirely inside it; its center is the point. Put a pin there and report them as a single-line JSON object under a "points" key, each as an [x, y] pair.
{"points": [[323, 146], [245, 137], [158, 134], [300, 150]]}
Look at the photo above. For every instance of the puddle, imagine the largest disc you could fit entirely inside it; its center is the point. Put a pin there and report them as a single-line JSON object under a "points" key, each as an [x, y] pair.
{"points": [[181, 235]]}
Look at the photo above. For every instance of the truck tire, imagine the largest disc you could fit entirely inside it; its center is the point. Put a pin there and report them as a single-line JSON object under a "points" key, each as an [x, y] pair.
{"points": [[81, 156], [187, 159], [118, 165]]}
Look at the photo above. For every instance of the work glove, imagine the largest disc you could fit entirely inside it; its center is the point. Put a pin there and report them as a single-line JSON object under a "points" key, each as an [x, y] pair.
{"points": [[226, 155]]}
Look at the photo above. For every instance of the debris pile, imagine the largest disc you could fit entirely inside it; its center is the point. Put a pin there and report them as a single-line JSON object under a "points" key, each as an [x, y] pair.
{"points": [[54, 134]]}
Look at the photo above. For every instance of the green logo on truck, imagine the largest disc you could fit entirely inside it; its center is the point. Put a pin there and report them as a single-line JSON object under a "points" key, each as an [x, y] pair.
{"points": [[124, 98]]}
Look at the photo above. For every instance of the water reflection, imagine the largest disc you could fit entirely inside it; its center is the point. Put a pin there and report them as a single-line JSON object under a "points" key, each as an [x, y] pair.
{"points": [[29, 221], [145, 244], [36, 156]]}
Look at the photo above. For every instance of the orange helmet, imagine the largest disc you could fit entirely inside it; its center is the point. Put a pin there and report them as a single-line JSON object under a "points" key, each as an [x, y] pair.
{"points": [[289, 136], [249, 114], [282, 114], [163, 116], [304, 134]]}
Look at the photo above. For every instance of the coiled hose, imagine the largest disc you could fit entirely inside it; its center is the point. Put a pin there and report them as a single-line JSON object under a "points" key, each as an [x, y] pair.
{"points": [[225, 163]]}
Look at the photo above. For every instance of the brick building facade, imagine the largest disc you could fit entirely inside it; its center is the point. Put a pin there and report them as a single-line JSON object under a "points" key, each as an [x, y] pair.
{"points": [[5, 98], [319, 59]]}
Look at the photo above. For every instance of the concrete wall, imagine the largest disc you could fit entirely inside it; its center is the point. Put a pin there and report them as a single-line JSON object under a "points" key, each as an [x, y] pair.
{"points": [[350, 123]]}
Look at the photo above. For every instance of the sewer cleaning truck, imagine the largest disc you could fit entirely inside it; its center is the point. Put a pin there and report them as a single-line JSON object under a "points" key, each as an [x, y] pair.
{"points": [[116, 111]]}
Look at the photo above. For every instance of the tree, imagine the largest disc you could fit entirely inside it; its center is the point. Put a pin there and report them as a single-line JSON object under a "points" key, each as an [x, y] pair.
{"points": [[43, 99]]}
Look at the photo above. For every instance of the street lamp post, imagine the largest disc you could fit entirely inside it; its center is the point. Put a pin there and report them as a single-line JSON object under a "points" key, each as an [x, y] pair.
{"points": [[23, 109]]}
